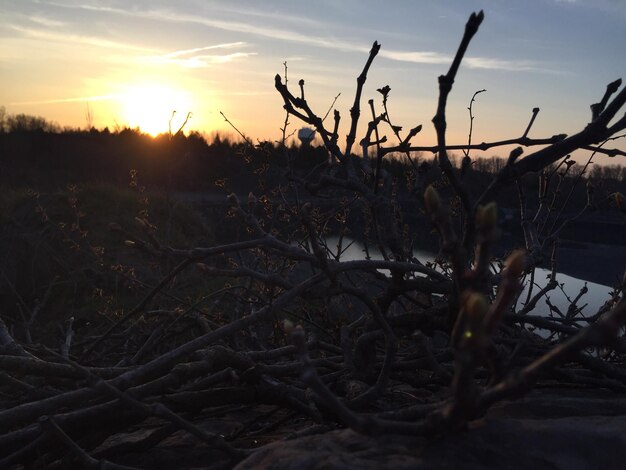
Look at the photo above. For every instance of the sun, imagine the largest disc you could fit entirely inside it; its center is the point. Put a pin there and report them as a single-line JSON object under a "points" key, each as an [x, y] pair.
{"points": [[149, 106]]}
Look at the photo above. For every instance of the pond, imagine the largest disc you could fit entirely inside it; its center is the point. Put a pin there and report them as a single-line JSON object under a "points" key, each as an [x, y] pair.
{"points": [[561, 297]]}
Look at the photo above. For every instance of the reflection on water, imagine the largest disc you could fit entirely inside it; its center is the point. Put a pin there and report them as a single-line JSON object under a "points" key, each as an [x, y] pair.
{"points": [[591, 301]]}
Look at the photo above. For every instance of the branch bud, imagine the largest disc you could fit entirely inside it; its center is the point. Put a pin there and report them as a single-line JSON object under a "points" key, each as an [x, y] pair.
{"points": [[474, 22], [614, 86], [432, 201], [288, 326], [233, 199], [487, 217], [515, 154], [203, 267], [515, 264], [476, 305], [469, 325], [384, 91], [298, 337]]}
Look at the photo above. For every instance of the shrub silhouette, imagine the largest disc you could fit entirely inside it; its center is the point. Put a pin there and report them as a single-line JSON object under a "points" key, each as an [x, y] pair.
{"points": [[296, 325]]}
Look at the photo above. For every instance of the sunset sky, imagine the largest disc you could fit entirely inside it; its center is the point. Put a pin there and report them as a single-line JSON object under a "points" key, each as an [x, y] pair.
{"points": [[130, 63]]}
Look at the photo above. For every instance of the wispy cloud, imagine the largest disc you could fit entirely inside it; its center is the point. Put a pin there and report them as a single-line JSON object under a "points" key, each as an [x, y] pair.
{"points": [[185, 52], [75, 39], [471, 62], [200, 61], [78, 99], [223, 93], [499, 64], [416, 57], [421, 57], [192, 58], [47, 22]]}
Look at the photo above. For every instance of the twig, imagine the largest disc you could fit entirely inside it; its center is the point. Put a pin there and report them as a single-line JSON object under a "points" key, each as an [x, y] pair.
{"points": [[355, 111], [69, 333], [471, 124], [246, 140], [138, 308], [49, 425]]}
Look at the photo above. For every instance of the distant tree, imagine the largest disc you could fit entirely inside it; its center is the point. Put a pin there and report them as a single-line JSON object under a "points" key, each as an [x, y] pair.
{"points": [[28, 123], [3, 116]]}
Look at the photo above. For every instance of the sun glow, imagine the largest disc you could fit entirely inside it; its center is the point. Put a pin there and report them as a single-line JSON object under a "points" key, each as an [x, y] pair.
{"points": [[150, 107]]}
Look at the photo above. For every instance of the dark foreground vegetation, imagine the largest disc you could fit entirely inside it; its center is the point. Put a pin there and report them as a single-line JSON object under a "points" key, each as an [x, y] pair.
{"points": [[137, 333]]}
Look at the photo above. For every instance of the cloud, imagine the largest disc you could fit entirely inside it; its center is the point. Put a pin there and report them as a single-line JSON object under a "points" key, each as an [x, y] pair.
{"points": [[76, 39], [47, 22], [190, 58], [299, 20], [421, 57], [184, 52], [416, 57], [199, 61], [242, 93], [66, 100], [499, 64], [471, 62], [225, 25], [296, 58]]}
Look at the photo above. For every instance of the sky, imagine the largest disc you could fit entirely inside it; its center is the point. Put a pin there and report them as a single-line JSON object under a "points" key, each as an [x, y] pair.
{"points": [[131, 63]]}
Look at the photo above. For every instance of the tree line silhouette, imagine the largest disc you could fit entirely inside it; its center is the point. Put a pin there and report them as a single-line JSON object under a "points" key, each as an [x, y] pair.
{"points": [[35, 152]]}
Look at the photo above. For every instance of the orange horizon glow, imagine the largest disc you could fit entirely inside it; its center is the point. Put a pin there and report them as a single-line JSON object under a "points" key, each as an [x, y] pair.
{"points": [[103, 64]]}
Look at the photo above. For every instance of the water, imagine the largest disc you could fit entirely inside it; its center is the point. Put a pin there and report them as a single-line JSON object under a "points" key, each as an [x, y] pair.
{"points": [[561, 297], [568, 289]]}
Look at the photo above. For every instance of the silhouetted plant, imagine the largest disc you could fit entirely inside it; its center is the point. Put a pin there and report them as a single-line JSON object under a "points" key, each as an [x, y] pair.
{"points": [[292, 323]]}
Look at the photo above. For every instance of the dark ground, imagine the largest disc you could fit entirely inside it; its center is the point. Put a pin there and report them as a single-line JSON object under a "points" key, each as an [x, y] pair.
{"points": [[549, 429]]}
